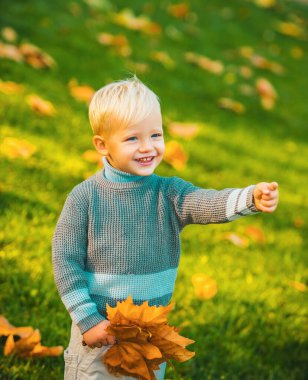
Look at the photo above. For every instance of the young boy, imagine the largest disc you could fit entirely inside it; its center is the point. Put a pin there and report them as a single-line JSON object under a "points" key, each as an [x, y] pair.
{"points": [[119, 230]]}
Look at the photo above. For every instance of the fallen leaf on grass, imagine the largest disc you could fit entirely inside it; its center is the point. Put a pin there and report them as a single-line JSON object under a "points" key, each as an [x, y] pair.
{"points": [[7, 329], [138, 67], [36, 57], [143, 340], [268, 95], [205, 63], [289, 29], [180, 10], [265, 3], [263, 63], [245, 72], [163, 58], [11, 52], [9, 88], [9, 34], [246, 51], [205, 286], [297, 53], [175, 155], [232, 105], [118, 42], [17, 148], [29, 344], [41, 106], [255, 233], [239, 241], [298, 222], [298, 286], [141, 23], [82, 93], [186, 130]]}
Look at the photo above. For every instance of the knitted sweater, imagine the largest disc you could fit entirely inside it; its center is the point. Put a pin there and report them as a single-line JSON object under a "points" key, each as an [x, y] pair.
{"points": [[114, 239]]}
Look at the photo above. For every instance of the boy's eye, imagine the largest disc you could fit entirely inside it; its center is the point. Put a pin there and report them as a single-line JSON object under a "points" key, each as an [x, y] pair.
{"points": [[131, 138], [157, 135]]}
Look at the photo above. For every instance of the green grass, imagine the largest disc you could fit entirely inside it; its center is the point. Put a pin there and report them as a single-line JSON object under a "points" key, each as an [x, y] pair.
{"points": [[254, 327]]}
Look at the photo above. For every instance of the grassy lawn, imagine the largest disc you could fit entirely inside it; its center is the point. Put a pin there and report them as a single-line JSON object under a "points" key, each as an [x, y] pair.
{"points": [[254, 327]]}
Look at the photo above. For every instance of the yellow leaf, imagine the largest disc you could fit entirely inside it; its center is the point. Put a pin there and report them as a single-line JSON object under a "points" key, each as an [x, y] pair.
{"points": [[246, 51], [205, 286], [180, 10], [205, 63], [16, 148], [289, 29], [231, 105], [298, 286], [186, 130], [10, 88], [175, 155], [9, 34], [118, 42], [41, 106], [163, 58], [138, 67], [81, 93], [127, 19], [265, 3], [9, 346], [298, 222], [255, 233], [297, 52], [41, 351]]}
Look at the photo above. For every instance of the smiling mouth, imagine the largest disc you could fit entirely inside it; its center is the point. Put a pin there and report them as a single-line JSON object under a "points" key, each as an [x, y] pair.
{"points": [[145, 159]]}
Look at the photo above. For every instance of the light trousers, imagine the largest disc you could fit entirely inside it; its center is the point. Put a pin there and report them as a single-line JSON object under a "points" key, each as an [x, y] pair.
{"points": [[85, 363]]}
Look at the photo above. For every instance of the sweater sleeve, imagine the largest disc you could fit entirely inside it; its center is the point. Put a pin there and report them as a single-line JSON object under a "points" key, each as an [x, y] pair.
{"points": [[195, 205], [69, 250]]}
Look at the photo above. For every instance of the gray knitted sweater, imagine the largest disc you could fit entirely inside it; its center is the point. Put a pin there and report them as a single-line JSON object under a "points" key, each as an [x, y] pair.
{"points": [[115, 239]]}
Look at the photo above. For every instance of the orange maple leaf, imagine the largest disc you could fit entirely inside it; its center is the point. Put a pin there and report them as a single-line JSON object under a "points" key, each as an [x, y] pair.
{"points": [[41, 106], [187, 130], [82, 93], [29, 344], [175, 155]]}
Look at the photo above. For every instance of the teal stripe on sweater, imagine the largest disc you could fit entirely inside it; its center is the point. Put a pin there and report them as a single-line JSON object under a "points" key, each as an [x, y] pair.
{"points": [[141, 287], [75, 297]]}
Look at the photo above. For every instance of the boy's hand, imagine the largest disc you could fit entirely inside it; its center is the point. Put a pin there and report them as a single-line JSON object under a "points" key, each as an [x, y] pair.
{"points": [[97, 336], [266, 196]]}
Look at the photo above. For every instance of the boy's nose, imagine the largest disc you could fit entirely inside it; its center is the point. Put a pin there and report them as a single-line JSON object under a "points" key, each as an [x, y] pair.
{"points": [[145, 146]]}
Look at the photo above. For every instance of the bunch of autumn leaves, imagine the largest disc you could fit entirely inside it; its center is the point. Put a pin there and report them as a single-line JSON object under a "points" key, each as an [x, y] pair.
{"points": [[144, 340]]}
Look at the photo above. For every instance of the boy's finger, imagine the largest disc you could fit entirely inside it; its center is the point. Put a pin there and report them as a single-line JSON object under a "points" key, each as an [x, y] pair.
{"points": [[262, 188], [273, 186]]}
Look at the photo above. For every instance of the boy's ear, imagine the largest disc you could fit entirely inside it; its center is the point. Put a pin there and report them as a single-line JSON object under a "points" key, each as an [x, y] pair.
{"points": [[100, 145]]}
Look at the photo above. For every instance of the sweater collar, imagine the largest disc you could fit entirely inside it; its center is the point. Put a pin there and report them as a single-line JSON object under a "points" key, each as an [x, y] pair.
{"points": [[114, 175]]}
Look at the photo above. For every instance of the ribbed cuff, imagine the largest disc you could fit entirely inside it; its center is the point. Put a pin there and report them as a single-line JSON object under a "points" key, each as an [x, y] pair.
{"points": [[251, 201], [89, 322]]}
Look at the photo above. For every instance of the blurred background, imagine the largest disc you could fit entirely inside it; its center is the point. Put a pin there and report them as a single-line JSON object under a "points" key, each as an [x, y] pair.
{"points": [[232, 79]]}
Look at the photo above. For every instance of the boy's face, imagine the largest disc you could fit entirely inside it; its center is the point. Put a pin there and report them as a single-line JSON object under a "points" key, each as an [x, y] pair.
{"points": [[137, 149]]}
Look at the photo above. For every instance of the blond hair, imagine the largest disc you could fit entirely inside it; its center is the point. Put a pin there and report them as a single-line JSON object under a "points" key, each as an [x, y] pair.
{"points": [[120, 104]]}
